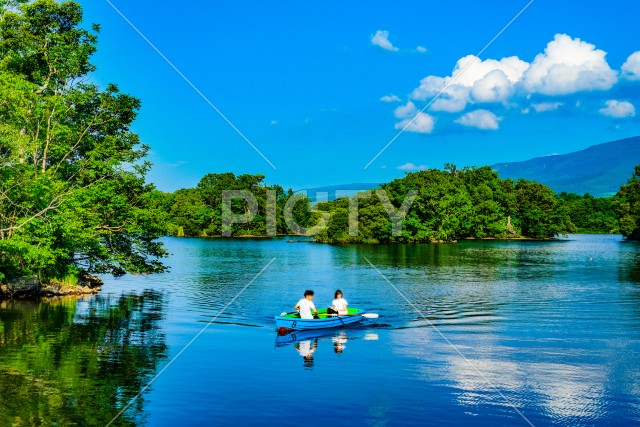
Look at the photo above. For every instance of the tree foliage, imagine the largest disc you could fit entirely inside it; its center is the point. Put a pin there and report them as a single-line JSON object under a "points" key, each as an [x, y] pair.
{"points": [[72, 173], [591, 214], [454, 204], [198, 211], [627, 206], [451, 204]]}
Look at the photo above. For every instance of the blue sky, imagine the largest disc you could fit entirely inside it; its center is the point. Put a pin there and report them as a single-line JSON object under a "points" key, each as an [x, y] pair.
{"points": [[304, 82]]}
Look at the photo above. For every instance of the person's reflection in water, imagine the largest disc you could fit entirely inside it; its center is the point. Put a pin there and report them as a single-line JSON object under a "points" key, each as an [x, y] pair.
{"points": [[306, 349], [339, 342]]}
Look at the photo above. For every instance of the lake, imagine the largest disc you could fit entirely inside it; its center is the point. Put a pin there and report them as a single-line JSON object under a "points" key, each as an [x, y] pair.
{"points": [[490, 333]]}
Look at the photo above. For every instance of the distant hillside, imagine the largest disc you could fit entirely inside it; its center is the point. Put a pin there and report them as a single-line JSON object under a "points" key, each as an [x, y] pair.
{"points": [[598, 170], [331, 192]]}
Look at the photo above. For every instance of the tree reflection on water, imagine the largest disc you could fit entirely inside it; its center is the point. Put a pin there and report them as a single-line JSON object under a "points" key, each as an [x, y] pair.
{"points": [[70, 361]]}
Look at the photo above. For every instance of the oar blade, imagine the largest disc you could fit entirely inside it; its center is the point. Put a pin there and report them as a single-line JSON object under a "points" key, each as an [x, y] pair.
{"points": [[370, 315]]}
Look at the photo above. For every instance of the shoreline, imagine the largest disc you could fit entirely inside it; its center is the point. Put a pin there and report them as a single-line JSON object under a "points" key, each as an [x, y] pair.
{"points": [[261, 236], [30, 287]]}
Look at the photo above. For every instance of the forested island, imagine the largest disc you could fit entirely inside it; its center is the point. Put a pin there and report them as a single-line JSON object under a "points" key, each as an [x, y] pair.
{"points": [[74, 200], [450, 204]]}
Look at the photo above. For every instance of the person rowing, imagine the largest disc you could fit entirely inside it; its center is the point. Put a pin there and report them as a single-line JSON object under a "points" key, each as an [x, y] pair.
{"points": [[306, 306]]}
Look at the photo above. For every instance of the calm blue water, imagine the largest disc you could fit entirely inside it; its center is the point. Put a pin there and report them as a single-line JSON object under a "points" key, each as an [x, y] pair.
{"points": [[550, 328]]}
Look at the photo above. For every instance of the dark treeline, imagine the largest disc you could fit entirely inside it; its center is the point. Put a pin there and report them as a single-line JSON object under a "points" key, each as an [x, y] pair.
{"points": [[591, 214], [627, 206], [450, 204], [197, 212], [453, 204]]}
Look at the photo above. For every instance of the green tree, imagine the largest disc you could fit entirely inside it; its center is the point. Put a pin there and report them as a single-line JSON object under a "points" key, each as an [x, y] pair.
{"points": [[72, 173], [627, 206], [591, 214], [538, 213], [198, 211], [454, 204]]}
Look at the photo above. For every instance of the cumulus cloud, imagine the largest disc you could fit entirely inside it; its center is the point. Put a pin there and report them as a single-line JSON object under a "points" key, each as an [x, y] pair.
{"points": [[411, 167], [421, 49], [405, 111], [567, 66], [422, 123], [481, 119], [618, 109], [390, 98], [546, 106], [631, 67], [413, 120], [472, 81], [381, 39]]}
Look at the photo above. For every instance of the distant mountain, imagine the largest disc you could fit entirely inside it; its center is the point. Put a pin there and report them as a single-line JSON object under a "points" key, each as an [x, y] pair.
{"points": [[598, 170], [330, 192]]}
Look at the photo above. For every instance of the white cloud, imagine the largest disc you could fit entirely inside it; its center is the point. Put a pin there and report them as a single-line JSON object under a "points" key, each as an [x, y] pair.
{"points": [[481, 119], [472, 80], [381, 39], [618, 109], [411, 167], [390, 98], [546, 106], [470, 69], [421, 49], [405, 111], [274, 122], [422, 123], [631, 67], [452, 99], [413, 120], [494, 87], [567, 66]]}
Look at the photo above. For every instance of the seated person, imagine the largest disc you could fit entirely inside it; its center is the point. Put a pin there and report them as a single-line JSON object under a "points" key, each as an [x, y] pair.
{"points": [[305, 306], [339, 304]]}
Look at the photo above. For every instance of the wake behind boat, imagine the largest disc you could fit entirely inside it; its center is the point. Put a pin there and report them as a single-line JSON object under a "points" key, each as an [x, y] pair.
{"points": [[293, 322]]}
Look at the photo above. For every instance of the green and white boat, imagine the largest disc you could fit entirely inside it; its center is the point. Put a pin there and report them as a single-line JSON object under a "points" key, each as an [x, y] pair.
{"points": [[293, 322]]}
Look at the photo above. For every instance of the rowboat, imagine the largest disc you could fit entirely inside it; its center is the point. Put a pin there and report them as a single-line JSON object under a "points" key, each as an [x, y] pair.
{"points": [[293, 322]]}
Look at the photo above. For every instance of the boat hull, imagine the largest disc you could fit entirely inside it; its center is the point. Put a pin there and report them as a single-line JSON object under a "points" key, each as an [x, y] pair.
{"points": [[292, 322]]}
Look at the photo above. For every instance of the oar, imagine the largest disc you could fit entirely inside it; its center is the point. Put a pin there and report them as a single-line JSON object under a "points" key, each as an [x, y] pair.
{"points": [[365, 315]]}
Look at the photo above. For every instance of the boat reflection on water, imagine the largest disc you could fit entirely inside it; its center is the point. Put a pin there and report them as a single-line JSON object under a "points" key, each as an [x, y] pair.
{"points": [[306, 342], [306, 349], [339, 342]]}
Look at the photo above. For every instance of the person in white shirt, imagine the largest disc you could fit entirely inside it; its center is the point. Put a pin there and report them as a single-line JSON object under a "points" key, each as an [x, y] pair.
{"points": [[339, 342], [306, 348], [305, 306], [339, 304]]}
